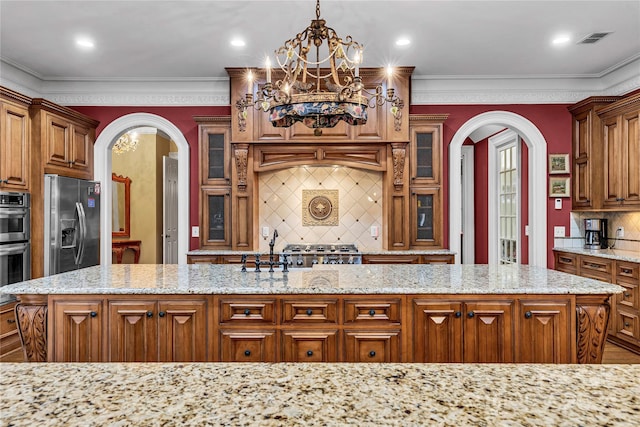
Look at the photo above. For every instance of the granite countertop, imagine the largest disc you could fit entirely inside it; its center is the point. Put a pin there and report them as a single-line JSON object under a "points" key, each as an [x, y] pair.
{"points": [[617, 254], [198, 394], [321, 279], [364, 252]]}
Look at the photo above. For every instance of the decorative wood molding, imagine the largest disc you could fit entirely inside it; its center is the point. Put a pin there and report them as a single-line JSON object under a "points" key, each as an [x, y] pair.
{"points": [[241, 154], [592, 318], [399, 154], [31, 317]]}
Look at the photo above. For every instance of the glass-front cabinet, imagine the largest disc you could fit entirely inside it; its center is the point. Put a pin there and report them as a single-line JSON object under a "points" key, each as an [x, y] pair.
{"points": [[426, 141], [426, 221], [215, 218]]}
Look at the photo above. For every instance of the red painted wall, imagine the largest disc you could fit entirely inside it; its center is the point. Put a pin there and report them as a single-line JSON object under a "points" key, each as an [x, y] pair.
{"points": [[554, 121], [182, 118]]}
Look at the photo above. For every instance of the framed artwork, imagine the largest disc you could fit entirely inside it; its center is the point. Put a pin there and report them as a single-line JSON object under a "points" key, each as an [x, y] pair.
{"points": [[558, 163], [559, 187]]}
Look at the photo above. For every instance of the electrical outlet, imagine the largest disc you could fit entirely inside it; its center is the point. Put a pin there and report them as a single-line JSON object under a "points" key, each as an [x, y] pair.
{"points": [[558, 231], [620, 232], [195, 231]]}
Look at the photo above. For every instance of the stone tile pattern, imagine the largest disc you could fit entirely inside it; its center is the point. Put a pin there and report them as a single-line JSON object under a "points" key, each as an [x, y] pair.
{"points": [[629, 220], [307, 394], [321, 279], [359, 205]]}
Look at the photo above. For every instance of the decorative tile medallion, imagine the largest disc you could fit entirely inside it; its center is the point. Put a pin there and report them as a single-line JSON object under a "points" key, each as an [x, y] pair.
{"points": [[319, 207]]}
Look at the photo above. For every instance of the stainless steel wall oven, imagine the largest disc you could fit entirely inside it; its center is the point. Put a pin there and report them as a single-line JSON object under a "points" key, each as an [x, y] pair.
{"points": [[15, 245]]}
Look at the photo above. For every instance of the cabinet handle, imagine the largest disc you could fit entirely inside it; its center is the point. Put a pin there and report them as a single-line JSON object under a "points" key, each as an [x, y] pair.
{"points": [[619, 199], [627, 324], [567, 260], [161, 314], [309, 312], [372, 312], [11, 320], [592, 265], [247, 312], [4, 181], [458, 314], [247, 352], [527, 315], [149, 313], [471, 314], [93, 314], [372, 353], [309, 353], [626, 270]]}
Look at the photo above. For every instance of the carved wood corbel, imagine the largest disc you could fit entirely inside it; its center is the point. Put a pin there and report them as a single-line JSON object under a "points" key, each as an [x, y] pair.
{"points": [[593, 317], [241, 154], [31, 317], [399, 154]]}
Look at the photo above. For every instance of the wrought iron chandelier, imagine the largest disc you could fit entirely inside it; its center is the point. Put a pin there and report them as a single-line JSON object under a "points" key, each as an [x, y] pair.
{"points": [[320, 91], [125, 143]]}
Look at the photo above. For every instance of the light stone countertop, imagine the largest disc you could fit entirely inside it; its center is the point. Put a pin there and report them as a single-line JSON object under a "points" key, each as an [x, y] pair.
{"points": [[617, 254], [321, 279], [364, 252], [291, 394]]}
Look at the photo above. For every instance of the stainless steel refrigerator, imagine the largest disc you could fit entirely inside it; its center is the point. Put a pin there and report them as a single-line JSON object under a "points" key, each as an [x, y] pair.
{"points": [[71, 224]]}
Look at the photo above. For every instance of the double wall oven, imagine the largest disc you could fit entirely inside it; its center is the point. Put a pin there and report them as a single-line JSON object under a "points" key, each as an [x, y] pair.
{"points": [[15, 245]]}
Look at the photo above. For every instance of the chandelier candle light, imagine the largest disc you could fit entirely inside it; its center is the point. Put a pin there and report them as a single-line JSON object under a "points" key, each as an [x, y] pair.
{"points": [[125, 143], [318, 97]]}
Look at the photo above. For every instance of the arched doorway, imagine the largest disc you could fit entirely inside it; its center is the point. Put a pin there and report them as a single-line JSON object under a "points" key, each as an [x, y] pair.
{"points": [[537, 182], [102, 173]]}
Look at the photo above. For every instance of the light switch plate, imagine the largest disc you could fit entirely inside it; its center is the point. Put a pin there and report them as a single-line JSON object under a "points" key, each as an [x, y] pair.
{"points": [[195, 231], [558, 231], [374, 231], [265, 231], [558, 204]]}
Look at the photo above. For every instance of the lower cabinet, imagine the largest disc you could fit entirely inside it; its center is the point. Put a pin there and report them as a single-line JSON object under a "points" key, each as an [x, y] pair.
{"points": [[462, 331], [544, 332], [310, 346], [9, 338], [247, 346], [76, 327], [372, 346]]}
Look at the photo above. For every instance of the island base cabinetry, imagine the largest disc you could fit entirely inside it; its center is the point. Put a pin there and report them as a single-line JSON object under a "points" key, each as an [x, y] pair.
{"points": [[324, 328]]}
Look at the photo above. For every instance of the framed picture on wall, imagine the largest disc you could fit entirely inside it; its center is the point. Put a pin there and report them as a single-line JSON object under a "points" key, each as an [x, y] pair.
{"points": [[558, 163], [559, 187]]}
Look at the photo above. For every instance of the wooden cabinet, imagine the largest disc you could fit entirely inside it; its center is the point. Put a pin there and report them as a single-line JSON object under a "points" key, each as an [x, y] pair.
{"points": [[426, 217], [544, 332], [77, 325], [247, 346], [15, 141], [621, 146], [462, 331], [133, 331], [380, 346], [587, 153], [9, 339], [215, 222], [310, 345]]}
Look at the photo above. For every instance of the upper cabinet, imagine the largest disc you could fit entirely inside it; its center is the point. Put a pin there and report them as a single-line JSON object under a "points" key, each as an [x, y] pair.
{"points": [[15, 148], [621, 145], [65, 139]]}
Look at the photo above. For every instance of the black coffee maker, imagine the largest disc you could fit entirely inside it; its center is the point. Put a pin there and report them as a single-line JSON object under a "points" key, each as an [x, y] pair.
{"points": [[595, 233]]}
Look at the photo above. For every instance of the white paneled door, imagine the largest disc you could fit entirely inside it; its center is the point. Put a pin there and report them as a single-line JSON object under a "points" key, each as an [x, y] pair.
{"points": [[170, 211]]}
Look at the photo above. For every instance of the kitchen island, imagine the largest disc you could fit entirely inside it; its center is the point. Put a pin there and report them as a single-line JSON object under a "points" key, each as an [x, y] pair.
{"points": [[197, 394], [330, 313]]}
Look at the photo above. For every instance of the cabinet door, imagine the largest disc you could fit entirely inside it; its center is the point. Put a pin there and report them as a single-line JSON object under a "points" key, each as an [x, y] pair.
{"points": [[214, 154], [544, 332], [582, 160], [80, 152], [488, 331], [426, 217], [372, 346], [425, 155], [309, 346], [77, 328], [133, 331], [437, 331], [183, 331], [57, 140], [248, 346], [14, 147], [215, 223], [630, 167]]}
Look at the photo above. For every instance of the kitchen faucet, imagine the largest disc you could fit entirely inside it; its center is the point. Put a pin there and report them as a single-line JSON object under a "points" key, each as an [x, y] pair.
{"points": [[271, 262]]}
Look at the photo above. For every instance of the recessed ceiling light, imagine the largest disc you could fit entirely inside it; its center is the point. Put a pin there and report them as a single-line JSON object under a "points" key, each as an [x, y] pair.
{"points": [[85, 43], [561, 39], [237, 42], [403, 41]]}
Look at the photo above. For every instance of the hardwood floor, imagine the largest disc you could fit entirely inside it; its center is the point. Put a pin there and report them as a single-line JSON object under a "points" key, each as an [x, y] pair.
{"points": [[612, 355]]}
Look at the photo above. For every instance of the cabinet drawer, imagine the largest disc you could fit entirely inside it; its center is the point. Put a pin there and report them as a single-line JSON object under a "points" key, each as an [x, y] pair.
{"points": [[628, 271], [309, 346], [371, 310], [310, 311], [628, 325], [629, 298], [7, 319], [376, 347], [566, 262], [239, 311], [596, 268], [247, 346]]}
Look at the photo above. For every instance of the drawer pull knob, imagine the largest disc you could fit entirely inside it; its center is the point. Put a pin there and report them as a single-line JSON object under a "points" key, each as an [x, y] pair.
{"points": [[309, 312], [11, 320], [247, 312], [161, 314], [309, 353], [458, 314], [372, 312], [626, 270], [527, 315], [567, 260], [93, 314], [149, 313], [627, 294], [471, 314], [247, 352], [627, 324], [372, 353]]}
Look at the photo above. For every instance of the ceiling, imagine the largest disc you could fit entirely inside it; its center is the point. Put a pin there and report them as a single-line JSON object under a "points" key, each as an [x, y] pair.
{"points": [[188, 40]]}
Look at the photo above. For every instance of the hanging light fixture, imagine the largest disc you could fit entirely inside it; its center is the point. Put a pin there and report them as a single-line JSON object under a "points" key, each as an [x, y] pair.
{"points": [[126, 142], [318, 97]]}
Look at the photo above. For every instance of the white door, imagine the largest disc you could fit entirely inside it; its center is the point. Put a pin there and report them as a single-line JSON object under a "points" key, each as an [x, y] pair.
{"points": [[468, 243], [170, 210]]}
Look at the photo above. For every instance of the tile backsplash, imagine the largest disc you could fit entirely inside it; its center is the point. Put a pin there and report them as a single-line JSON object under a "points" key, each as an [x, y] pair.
{"points": [[630, 221], [359, 206]]}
